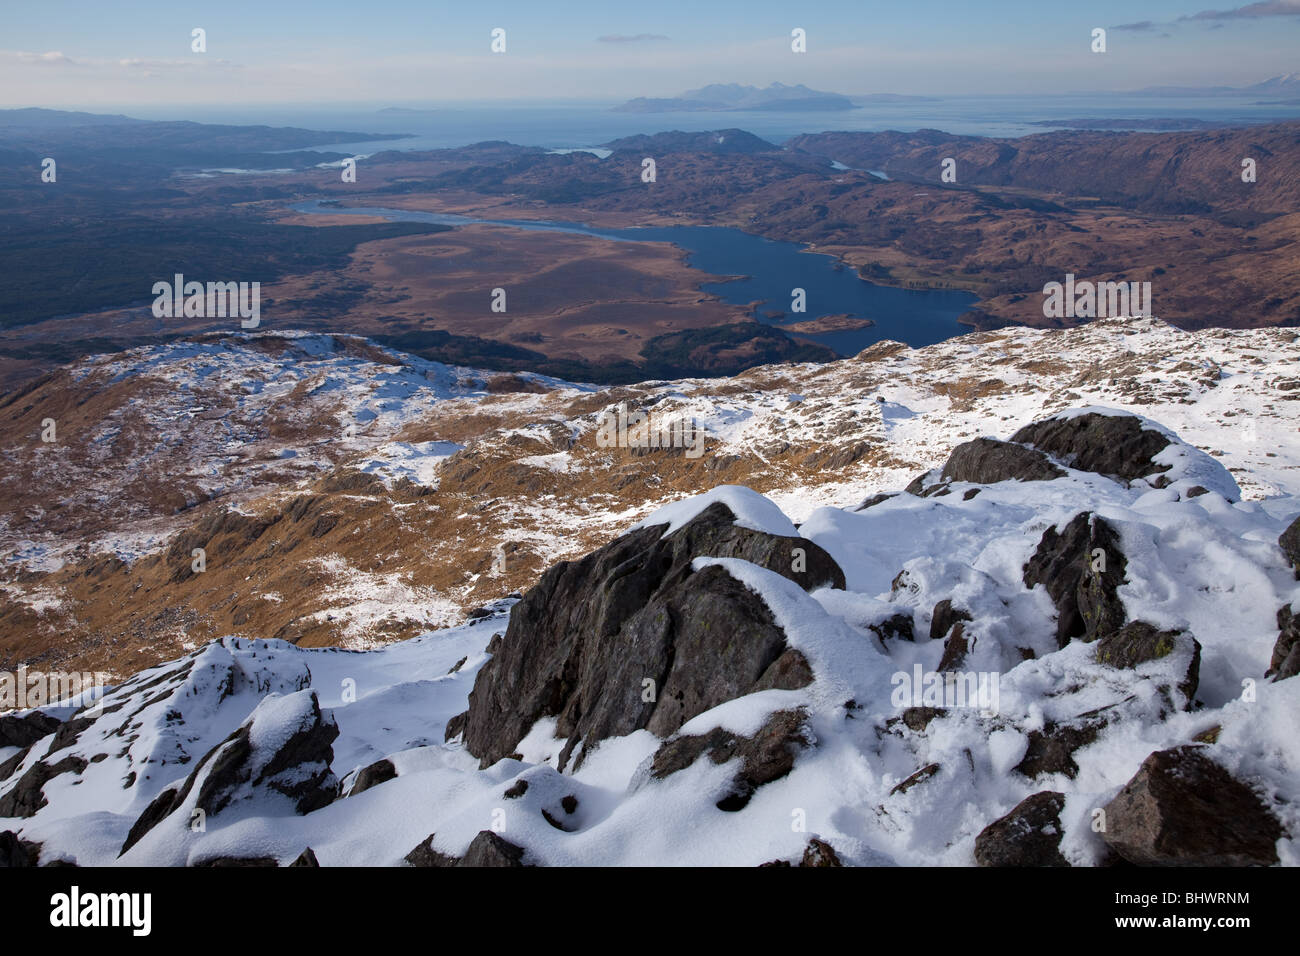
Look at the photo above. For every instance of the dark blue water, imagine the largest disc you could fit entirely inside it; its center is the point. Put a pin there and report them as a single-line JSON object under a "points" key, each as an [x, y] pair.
{"points": [[770, 270]]}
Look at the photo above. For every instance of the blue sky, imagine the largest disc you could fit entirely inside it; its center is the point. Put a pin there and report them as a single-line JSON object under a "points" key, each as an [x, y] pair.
{"points": [[91, 53]]}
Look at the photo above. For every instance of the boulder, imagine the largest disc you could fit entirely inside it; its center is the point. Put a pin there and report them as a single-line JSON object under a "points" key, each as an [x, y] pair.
{"points": [[1285, 661], [1030, 835], [944, 617], [819, 853], [1081, 568], [1183, 809], [488, 849], [426, 855], [381, 771], [986, 461], [1051, 750], [1117, 446], [900, 625], [1138, 642], [766, 756], [307, 858], [949, 623], [631, 637]]}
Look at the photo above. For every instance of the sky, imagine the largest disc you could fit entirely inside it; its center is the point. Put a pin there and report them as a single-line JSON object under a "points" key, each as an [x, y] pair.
{"points": [[92, 54]]}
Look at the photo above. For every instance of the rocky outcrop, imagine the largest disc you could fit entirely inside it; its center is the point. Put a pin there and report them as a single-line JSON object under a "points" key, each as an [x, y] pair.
{"points": [[27, 795], [16, 852], [1081, 568], [766, 756], [1117, 446], [284, 747], [631, 637], [1030, 835], [1183, 809], [25, 730]]}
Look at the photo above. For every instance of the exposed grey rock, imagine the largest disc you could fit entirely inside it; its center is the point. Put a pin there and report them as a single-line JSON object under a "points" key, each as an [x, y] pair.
{"points": [[27, 796], [1113, 445], [766, 756], [582, 644], [14, 851], [1183, 809], [1030, 835], [1081, 568], [23, 731]]}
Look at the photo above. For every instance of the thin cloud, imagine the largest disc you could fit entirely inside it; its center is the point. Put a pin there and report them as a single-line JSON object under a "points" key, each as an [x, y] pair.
{"points": [[638, 38], [1140, 27], [52, 58], [1268, 8]]}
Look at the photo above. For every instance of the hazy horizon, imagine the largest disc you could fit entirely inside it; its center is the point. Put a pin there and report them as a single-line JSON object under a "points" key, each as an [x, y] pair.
{"points": [[75, 54]]}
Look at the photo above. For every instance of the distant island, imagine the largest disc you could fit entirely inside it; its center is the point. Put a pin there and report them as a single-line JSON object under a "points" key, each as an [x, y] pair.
{"points": [[728, 97], [828, 323]]}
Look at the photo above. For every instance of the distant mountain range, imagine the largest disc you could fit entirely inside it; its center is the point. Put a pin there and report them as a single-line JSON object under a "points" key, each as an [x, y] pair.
{"points": [[725, 97], [1284, 84]]}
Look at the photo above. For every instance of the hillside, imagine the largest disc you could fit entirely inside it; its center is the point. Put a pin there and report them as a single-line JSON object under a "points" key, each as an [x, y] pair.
{"points": [[241, 444], [983, 602]]}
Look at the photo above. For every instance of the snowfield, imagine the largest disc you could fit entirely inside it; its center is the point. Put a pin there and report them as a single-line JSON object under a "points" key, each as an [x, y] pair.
{"points": [[1198, 559]]}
